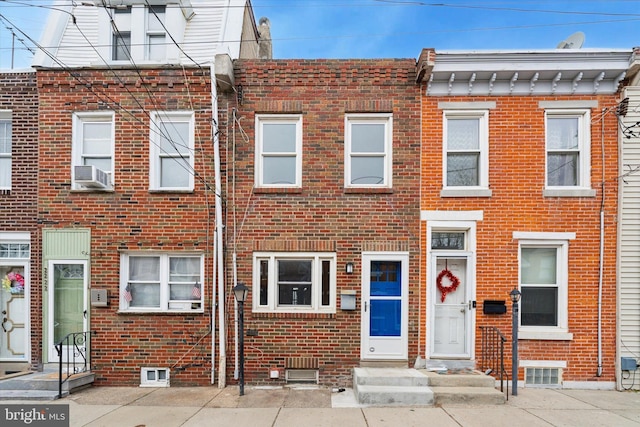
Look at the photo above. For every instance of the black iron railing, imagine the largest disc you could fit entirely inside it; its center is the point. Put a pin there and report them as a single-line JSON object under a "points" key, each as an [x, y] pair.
{"points": [[492, 359], [73, 356]]}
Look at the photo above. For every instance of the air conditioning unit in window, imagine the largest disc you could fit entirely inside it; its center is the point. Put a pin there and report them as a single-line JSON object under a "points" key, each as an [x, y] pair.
{"points": [[91, 177]]}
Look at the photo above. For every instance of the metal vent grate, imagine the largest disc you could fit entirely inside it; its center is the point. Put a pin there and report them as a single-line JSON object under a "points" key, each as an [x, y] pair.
{"points": [[302, 376]]}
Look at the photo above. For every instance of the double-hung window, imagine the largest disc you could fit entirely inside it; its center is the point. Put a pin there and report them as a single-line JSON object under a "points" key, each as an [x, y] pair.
{"points": [[294, 282], [121, 34], [172, 147], [466, 152], [368, 150], [161, 282], [5, 150], [544, 284], [156, 33], [278, 151], [568, 150], [93, 145]]}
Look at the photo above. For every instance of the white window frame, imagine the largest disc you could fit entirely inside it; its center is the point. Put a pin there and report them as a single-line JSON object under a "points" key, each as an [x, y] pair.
{"points": [[482, 188], [155, 33], [263, 119], [165, 306], [77, 154], [385, 119], [583, 186], [157, 153], [6, 120], [559, 241], [316, 289], [122, 19]]}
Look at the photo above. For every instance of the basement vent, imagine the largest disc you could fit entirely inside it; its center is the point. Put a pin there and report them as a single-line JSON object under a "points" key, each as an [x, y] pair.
{"points": [[543, 377], [154, 377], [302, 376]]}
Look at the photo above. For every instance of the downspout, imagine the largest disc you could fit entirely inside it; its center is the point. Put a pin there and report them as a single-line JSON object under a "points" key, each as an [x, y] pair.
{"points": [[235, 235], [222, 366], [601, 266]]}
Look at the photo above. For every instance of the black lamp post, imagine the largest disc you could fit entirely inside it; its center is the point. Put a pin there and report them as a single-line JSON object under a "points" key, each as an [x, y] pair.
{"points": [[241, 291], [515, 298]]}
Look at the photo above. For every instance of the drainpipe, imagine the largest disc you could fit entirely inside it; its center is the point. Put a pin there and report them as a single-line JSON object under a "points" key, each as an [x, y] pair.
{"points": [[222, 365], [601, 266]]}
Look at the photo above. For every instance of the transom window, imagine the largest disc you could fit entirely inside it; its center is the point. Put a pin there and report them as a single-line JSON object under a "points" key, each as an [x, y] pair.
{"points": [[368, 150], [278, 151], [14, 250], [172, 145], [292, 282], [448, 240], [466, 149], [568, 149], [161, 282], [5, 150]]}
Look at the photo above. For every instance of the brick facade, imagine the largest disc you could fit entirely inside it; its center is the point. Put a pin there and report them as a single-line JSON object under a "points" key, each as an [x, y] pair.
{"points": [[18, 93], [322, 215]]}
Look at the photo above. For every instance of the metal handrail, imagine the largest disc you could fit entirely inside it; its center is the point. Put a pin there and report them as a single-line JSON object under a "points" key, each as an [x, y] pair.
{"points": [[492, 359], [76, 359]]}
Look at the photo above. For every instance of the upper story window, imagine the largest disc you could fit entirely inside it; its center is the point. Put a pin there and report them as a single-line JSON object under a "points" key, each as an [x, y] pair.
{"points": [[294, 282], [93, 150], [121, 34], [278, 151], [368, 150], [568, 150], [172, 146], [544, 266], [466, 151], [5, 150], [152, 281], [156, 33]]}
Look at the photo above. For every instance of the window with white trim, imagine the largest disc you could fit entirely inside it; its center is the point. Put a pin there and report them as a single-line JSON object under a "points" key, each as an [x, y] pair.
{"points": [[121, 34], [172, 146], [156, 33], [544, 285], [278, 150], [5, 150], [93, 142], [294, 282], [161, 282], [368, 150], [466, 149], [568, 148]]}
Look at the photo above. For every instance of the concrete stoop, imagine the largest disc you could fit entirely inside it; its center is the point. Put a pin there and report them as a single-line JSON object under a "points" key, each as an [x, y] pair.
{"points": [[41, 385], [412, 387]]}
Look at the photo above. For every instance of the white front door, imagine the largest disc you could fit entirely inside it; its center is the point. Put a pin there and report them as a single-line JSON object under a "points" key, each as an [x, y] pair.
{"points": [[384, 306], [14, 313], [451, 306], [67, 308]]}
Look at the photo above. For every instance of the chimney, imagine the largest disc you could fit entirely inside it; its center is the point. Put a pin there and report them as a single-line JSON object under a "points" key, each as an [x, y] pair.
{"points": [[264, 44]]}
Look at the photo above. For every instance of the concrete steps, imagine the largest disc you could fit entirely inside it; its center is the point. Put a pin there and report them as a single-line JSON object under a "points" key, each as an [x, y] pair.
{"points": [[420, 387], [41, 385]]}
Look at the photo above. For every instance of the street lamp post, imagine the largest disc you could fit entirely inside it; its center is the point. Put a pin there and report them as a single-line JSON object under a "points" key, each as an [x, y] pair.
{"points": [[515, 298], [241, 291]]}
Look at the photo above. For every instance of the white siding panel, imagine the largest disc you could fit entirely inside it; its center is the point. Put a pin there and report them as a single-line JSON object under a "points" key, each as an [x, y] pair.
{"points": [[202, 34], [629, 268], [79, 42]]}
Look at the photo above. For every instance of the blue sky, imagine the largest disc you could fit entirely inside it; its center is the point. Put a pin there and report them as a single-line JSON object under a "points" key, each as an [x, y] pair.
{"points": [[395, 29]]}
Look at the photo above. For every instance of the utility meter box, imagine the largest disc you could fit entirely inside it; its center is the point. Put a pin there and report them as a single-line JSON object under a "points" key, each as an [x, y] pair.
{"points": [[99, 298], [348, 300]]}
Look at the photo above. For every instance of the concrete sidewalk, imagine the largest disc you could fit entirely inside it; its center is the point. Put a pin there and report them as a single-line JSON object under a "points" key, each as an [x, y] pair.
{"points": [[309, 407]]}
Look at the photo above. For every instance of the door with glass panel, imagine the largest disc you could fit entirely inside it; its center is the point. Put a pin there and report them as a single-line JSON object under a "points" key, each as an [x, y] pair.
{"points": [[14, 313], [384, 307], [67, 285]]}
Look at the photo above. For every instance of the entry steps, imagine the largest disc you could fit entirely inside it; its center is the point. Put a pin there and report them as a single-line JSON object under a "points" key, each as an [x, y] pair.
{"points": [[32, 385], [420, 387]]}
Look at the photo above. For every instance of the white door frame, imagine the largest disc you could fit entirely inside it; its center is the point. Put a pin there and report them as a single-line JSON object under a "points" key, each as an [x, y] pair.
{"points": [[469, 253], [51, 352], [401, 351]]}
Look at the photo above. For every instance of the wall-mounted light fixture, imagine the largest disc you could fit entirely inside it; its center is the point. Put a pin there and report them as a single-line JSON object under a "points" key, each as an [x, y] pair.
{"points": [[349, 268]]}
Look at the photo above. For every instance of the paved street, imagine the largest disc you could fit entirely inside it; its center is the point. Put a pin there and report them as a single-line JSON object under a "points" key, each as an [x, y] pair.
{"points": [[287, 407]]}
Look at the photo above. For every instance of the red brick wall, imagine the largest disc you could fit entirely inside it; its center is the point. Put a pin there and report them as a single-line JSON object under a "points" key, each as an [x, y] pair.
{"points": [[18, 93], [516, 177], [323, 213], [131, 217]]}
